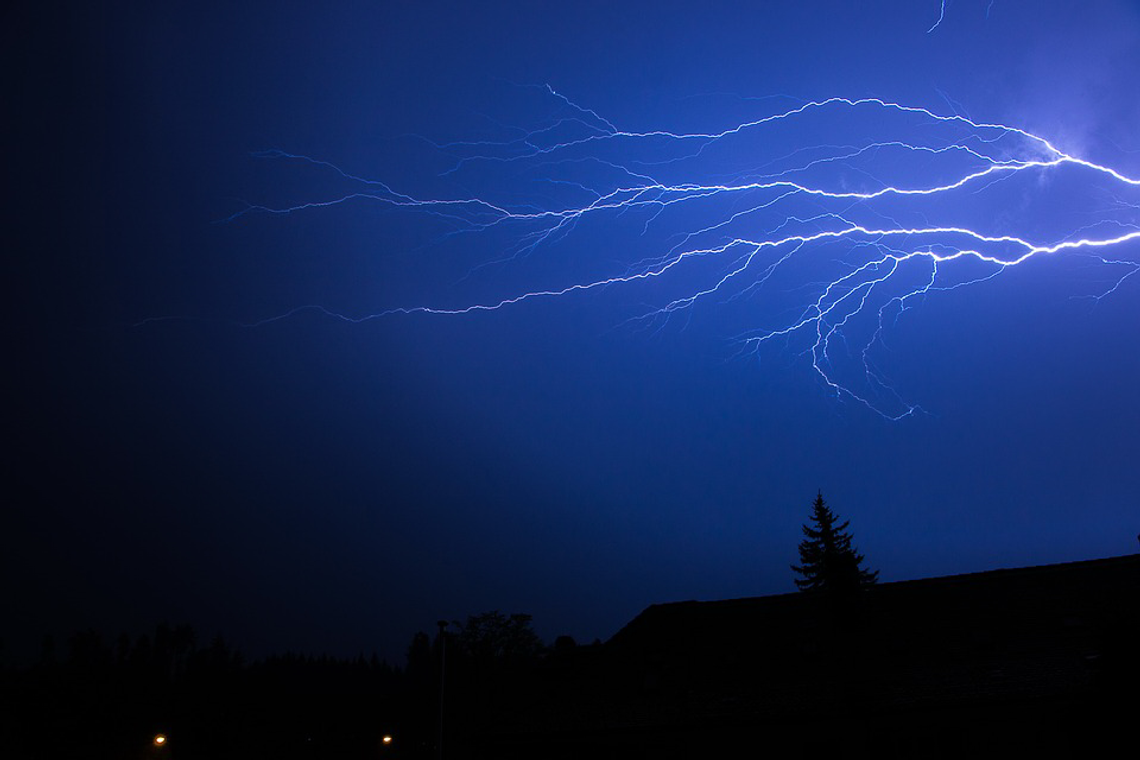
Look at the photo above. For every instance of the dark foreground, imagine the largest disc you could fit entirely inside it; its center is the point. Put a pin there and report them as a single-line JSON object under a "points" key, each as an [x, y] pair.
{"points": [[1033, 660]]}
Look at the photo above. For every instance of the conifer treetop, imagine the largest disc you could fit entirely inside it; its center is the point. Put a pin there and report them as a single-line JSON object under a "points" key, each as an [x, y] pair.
{"points": [[828, 561]]}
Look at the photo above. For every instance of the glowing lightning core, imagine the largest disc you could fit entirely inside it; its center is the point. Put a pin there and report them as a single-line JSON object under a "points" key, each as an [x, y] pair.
{"points": [[892, 202]]}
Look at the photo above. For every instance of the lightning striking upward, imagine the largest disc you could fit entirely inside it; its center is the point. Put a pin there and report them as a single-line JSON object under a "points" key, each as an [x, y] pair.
{"points": [[815, 227]]}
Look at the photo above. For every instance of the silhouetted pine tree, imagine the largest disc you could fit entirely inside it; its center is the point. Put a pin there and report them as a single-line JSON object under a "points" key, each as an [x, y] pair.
{"points": [[828, 562]]}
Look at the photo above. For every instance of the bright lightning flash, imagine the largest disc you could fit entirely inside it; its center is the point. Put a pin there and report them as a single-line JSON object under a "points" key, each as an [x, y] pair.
{"points": [[891, 202]]}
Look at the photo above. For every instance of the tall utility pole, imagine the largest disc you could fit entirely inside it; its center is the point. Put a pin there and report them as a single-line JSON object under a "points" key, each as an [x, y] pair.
{"points": [[442, 680]]}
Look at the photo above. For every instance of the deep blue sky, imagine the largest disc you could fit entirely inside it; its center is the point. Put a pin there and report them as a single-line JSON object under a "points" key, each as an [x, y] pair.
{"points": [[319, 485]]}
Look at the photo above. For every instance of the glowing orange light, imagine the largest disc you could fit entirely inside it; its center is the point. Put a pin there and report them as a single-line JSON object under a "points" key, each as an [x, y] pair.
{"points": [[387, 739], [159, 740]]}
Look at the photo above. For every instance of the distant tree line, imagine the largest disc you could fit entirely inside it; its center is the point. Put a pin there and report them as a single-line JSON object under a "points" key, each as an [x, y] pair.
{"points": [[109, 697]]}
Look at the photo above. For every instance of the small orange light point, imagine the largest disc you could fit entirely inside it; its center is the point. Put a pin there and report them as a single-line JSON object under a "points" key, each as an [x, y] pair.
{"points": [[387, 739], [159, 740]]}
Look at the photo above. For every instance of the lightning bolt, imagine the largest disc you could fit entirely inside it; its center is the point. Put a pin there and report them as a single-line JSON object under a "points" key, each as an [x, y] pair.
{"points": [[941, 15], [892, 203]]}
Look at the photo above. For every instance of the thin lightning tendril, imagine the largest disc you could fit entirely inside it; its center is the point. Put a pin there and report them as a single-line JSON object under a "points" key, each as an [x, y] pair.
{"points": [[941, 15], [771, 218]]}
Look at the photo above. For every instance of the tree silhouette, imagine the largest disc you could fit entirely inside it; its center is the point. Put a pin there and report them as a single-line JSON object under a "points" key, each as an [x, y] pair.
{"points": [[828, 562], [493, 637]]}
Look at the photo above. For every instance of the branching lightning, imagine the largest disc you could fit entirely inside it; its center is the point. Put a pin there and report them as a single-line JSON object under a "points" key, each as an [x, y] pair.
{"points": [[822, 223]]}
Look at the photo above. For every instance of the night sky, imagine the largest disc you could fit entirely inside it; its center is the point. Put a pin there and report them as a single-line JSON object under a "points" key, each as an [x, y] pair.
{"points": [[319, 483]]}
